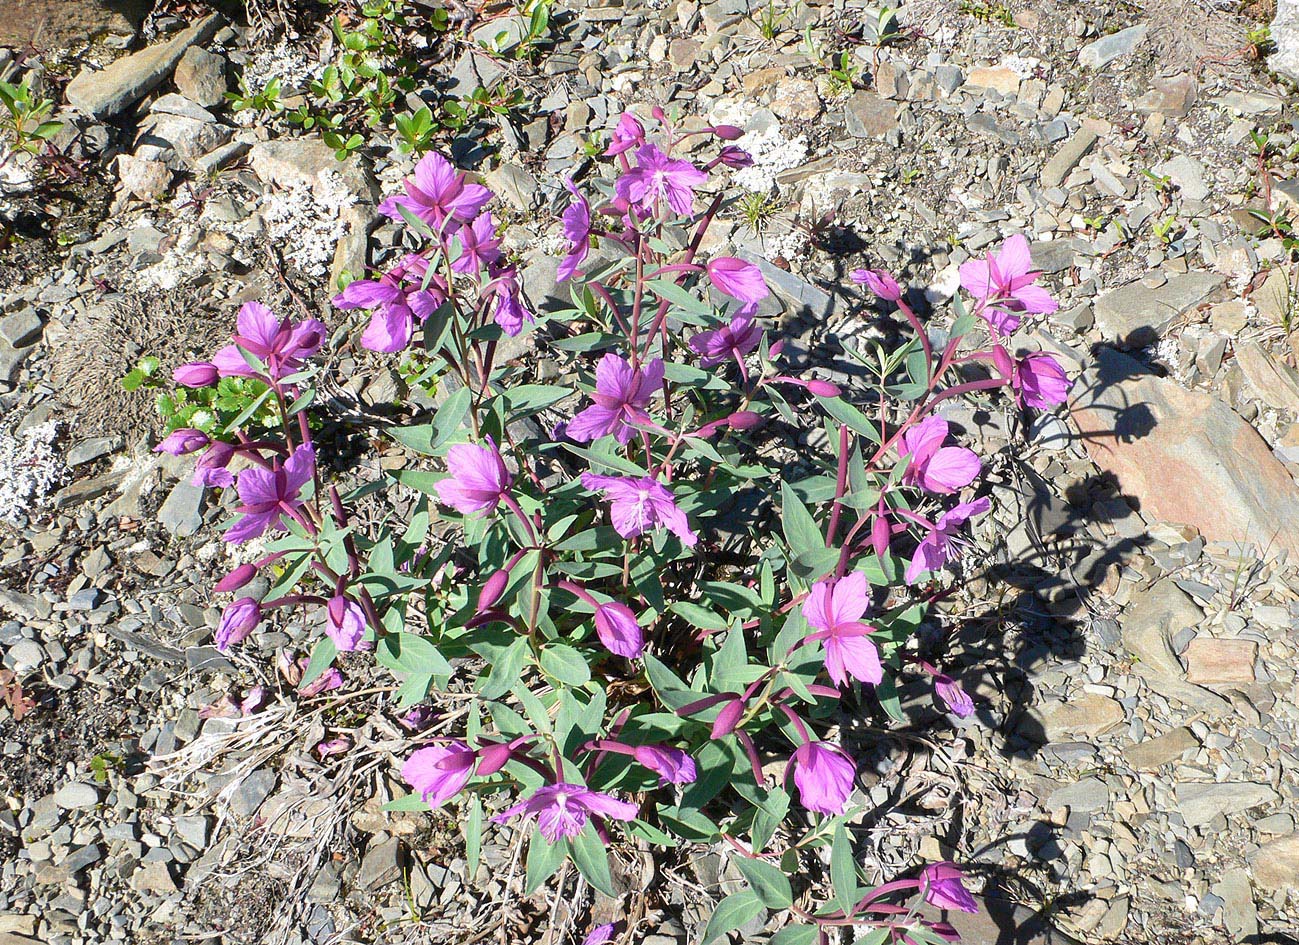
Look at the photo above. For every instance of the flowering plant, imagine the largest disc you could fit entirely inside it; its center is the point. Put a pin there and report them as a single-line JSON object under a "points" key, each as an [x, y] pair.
{"points": [[637, 668]]}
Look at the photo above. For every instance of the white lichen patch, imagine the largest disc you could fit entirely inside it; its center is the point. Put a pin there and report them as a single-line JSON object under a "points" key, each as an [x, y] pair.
{"points": [[772, 153], [308, 221], [30, 469]]}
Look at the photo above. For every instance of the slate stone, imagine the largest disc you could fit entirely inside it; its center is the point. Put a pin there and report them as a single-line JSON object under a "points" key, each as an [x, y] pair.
{"points": [[1101, 52]]}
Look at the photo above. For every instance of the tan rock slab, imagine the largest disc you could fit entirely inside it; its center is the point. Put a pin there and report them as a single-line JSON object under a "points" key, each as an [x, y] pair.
{"points": [[1153, 752], [1275, 865], [1088, 715], [1210, 660]]}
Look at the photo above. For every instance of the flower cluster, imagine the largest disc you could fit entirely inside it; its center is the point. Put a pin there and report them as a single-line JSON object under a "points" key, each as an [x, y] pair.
{"points": [[624, 650]]}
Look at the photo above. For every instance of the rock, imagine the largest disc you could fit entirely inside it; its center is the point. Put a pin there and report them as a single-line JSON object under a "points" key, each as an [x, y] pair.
{"points": [[869, 116], [182, 511], [1171, 95], [998, 78], [201, 77], [154, 879], [127, 80], [1088, 715], [221, 158], [21, 328], [92, 448], [514, 184], [1101, 52], [252, 791], [1184, 455], [381, 864], [1238, 912], [796, 99], [1154, 617], [1153, 752], [1274, 382], [289, 162], [76, 795], [143, 177], [24, 656], [1284, 33], [194, 830], [66, 24], [178, 140], [1201, 801], [1210, 660], [1134, 315], [799, 295], [11, 362], [1187, 173], [1275, 865], [1067, 157], [1087, 795]]}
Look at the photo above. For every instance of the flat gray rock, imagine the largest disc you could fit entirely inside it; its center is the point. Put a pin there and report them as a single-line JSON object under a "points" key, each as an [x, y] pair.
{"points": [[125, 81], [1101, 52], [1201, 801], [1135, 315]]}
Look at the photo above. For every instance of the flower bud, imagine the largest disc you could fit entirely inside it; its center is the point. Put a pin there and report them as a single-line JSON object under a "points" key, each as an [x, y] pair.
{"points": [[1001, 358], [238, 620], [728, 718], [880, 534], [493, 758], [236, 579], [728, 132], [732, 156], [822, 388], [659, 114], [774, 350], [210, 470], [879, 282], [182, 442], [195, 374], [744, 420], [492, 590]]}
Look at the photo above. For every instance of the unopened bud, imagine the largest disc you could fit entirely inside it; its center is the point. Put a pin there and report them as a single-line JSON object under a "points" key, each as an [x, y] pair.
{"points": [[1001, 358], [493, 758], [236, 579], [880, 534], [744, 420], [822, 388], [728, 718], [492, 590], [728, 132]]}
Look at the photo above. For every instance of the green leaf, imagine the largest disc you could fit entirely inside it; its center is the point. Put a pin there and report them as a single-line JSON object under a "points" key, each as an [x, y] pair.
{"points": [[322, 657], [798, 525], [565, 664], [412, 653], [505, 670], [407, 802], [847, 414], [543, 859], [473, 833], [843, 871], [427, 437], [592, 859], [732, 912], [768, 881], [698, 616], [800, 935]]}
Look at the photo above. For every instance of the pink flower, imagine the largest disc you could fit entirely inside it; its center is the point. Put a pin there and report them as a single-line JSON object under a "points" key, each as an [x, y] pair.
{"points": [[267, 495], [944, 887], [824, 776], [835, 610], [346, 624], [738, 279], [334, 746], [628, 134], [621, 395], [577, 230], [659, 179], [879, 282], [1039, 381], [281, 345], [936, 548], [327, 681], [734, 340], [196, 374], [934, 467], [210, 470], [478, 478], [436, 192], [439, 772], [479, 245], [618, 629], [1004, 282], [398, 302], [238, 620], [563, 809], [511, 311], [182, 442], [600, 934], [672, 765], [956, 699], [640, 505]]}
